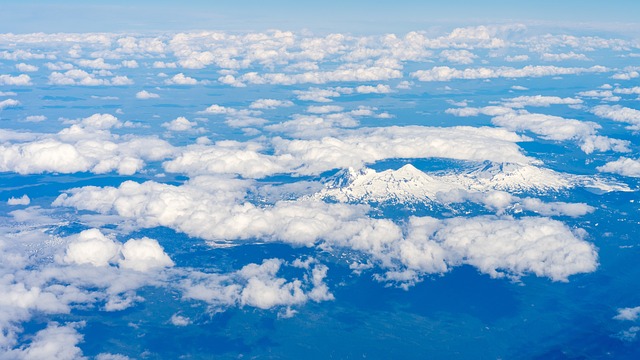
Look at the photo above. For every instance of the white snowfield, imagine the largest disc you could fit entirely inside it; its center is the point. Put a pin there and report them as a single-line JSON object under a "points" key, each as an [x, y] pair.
{"points": [[410, 185]]}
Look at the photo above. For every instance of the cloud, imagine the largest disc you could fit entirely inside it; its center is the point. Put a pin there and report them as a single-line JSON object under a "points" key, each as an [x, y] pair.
{"points": [[23, 200], [91, 247], [258, 285], [628, 314], [144, 95], [368, 89], [270, 104], [55, 342], [516, 58], [131, 64], [324, 109], [317, 95], [9, 103], [500, 247], [547, 126], [623, 166], [458, 56], [83, 78], [181, 79], [35, 118], [445, 73], [180, 124], [620, 114], [179, 320], [564, 57], [26, 67], [143, 255], [87, 145], [20, 80], [97, 64], [539, 100]]}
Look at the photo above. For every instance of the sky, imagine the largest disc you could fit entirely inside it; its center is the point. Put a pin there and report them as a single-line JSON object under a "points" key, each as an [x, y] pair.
{"points": [[353, 16]]}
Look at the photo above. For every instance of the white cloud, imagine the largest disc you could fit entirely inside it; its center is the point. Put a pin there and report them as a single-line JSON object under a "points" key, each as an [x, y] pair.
{"points": [[626, 75], [620, 114], [20, 80], [324, 109], [547, 126], [519, 88], [445, 73], [26, 67], [564, 57], [317, 95], [87, 145], [23, 200], [143, 255], [270, 104], [628, 314], [144, 95], [131, 64], [258, 285], [458, 56], [623, 166], [164, 65], [516, 58], [91, 247], [55, 342], [179, 320], [539, 100], [9, 103], [181, 79], [97, 64], [497, 246], [180, 124], [35, 118], [83, 78], [368, 89]]}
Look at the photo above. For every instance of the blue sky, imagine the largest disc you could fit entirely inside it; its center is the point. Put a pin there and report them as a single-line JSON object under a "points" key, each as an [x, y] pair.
{"points": [[354, 16]]}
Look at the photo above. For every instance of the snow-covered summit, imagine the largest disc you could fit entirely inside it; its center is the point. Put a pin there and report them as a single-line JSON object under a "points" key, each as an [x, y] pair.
{"points": [[405, 185], [410, 185]]}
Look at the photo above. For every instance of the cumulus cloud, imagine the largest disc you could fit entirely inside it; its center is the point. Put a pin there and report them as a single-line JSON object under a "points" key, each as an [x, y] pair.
{"points": [[144, 95], [179, 124], [83, 78], [623, 166], [181, 79], [9, 103], [23, 200], [628, 314], [270, 104], [258, 285], [547, 126], [35, 118], [20, 80], [458, 56], [91, 247], [564, 57], [620, 114], [539, 100], [445, 73], [368, 89], [87, 145], [143, 255], [55, 342], [26, 67]]}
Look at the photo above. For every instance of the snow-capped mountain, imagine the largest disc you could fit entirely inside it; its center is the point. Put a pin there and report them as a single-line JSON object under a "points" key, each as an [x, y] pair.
{"points": [[410, 185], [405, 185]]}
